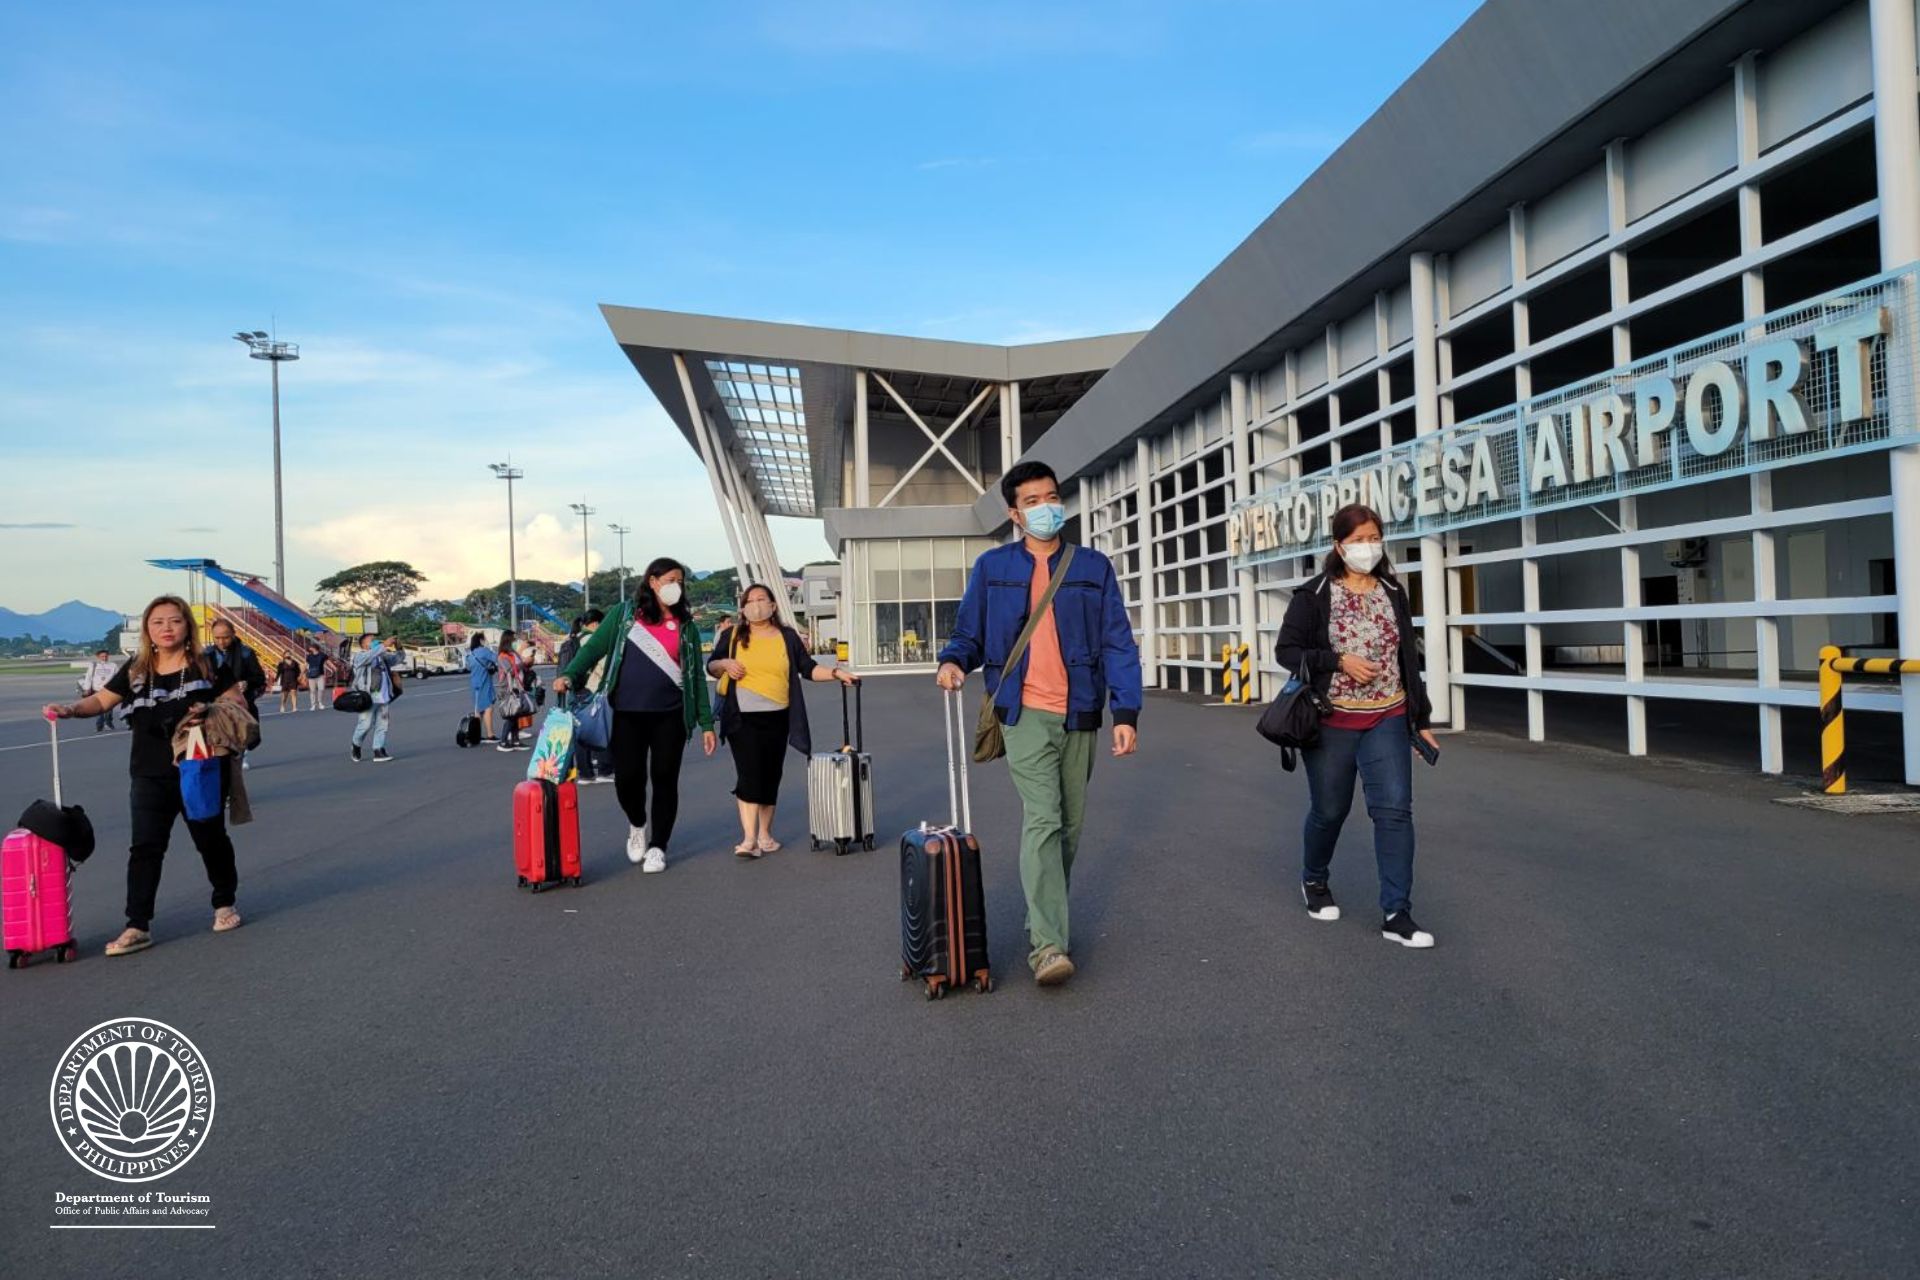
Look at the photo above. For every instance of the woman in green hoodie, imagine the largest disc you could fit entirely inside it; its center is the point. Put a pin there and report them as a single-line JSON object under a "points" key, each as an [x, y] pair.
{"points": [[656, 685]]}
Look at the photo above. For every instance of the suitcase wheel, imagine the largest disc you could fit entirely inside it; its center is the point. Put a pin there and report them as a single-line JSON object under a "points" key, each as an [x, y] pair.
{"points": [[868, 844], [905, 972], [15, 959], [520, 882], [65, 952], [813, 843], [936, 990], [538, 887], [983, 984]]}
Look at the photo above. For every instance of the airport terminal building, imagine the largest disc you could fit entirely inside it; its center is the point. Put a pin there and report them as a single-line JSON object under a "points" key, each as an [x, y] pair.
{"points": [[1610, 310]]}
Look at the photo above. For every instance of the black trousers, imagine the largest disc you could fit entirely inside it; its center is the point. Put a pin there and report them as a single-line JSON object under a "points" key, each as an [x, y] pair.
{"points": [[759, 755], [156, 803], [647, 746]]}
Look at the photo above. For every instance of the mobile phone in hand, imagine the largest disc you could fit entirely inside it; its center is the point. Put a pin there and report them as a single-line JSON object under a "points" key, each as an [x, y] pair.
{"points": [[1428, 752]]}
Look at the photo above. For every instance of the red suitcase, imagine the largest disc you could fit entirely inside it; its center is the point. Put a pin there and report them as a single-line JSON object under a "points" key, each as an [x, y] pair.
{"points": [[35, 912], [546, 834]]}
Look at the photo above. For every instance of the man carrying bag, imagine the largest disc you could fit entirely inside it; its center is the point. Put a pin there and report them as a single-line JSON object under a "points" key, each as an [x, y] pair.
{"points": [[1048, 624]]}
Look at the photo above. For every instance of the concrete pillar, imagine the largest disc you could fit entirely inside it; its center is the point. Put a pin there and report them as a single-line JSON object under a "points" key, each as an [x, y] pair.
{"points": [[1149, 612], [1426, 421], [699, 422], [1896, 156], [862, 443]]}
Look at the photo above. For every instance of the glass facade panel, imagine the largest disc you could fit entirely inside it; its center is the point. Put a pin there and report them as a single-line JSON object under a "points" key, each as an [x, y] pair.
{"points": [[914, 586], [916, 569]]}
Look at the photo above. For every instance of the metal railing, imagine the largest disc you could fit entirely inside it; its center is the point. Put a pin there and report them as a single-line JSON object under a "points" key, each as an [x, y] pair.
{"points": [[1833, 720]]}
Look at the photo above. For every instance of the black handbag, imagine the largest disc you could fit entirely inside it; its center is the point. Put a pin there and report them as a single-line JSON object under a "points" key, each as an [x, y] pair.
{"points": [[352, 701], [1292, 720]]}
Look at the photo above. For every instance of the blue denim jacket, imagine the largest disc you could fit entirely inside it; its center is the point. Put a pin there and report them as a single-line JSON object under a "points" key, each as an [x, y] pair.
{"points": [[1096, 636]]}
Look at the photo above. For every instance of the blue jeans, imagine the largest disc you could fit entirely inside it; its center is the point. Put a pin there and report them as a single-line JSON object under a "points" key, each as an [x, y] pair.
{"points": [[1383, 757], [373, 718]]}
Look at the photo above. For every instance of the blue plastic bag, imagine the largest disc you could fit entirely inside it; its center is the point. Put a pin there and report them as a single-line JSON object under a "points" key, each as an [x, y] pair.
{"points": [[593, 721]]}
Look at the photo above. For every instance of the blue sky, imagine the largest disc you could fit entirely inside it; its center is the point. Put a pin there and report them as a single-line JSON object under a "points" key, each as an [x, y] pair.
{"points": [[433, 199]]}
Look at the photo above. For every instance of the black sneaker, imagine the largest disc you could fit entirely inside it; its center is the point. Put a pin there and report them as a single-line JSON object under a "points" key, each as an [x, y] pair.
{"points": [[356, 755], [1399, 927], [1319, 900], [380, 756]]}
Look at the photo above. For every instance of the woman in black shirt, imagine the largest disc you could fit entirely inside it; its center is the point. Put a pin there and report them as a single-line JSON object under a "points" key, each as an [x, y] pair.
{"points": [[164, 686]]}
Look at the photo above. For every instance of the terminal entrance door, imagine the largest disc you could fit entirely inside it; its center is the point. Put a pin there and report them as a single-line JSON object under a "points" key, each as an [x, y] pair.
{"points": [[1666, 646]]}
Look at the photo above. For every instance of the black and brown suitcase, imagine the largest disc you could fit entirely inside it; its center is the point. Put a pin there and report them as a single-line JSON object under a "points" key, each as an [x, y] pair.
{"points": [[943, 905]]}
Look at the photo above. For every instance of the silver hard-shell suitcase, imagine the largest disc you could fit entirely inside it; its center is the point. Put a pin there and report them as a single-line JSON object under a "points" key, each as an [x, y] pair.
{"points": [[840, 787]]}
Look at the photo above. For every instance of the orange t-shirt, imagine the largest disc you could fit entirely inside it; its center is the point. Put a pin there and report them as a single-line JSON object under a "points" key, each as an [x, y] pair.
{"points": [[1046, 685]]}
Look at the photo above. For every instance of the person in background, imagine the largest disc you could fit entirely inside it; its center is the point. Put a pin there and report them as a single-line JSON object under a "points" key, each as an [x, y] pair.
{"points": [[287, 673], [166, 685], [482, 668], [98, 672], [1081, 656], [316, 677], [1351, 631], [228, 650], [373, 674], [595, 764], [511, 678], [761, 662], [658, 693]]}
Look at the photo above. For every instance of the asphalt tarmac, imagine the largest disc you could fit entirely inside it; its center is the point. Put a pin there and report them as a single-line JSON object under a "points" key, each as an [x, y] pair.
{"points": [[1669, 1029]]}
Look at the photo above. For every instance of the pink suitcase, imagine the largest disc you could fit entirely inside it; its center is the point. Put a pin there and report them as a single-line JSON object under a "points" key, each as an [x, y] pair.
{"points": [[35, 912]]}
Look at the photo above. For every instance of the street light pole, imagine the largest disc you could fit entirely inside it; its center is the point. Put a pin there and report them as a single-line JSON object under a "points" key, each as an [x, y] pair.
{"points": [[623, 531], [262, 347], [586, 574], [508, 472]]}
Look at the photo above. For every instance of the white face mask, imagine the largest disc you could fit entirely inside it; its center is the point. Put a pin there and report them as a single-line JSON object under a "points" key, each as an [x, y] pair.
{"points": [[668, 593], [1362, 557], [758, 611]]}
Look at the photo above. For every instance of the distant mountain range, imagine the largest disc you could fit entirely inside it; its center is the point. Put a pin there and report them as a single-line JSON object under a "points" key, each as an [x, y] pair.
{"points": [[73, 622]]}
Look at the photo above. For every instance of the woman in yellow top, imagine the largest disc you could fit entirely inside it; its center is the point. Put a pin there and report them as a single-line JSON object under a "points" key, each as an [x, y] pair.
{"points": [[760, 662]]}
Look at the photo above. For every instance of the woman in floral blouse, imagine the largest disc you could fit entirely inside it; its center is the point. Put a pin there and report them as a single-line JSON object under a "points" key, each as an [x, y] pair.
{"points": [[1350, 631]]}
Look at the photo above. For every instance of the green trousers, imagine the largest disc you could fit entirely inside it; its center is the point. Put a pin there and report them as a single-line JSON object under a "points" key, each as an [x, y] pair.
{"points": [[1050, 768]]}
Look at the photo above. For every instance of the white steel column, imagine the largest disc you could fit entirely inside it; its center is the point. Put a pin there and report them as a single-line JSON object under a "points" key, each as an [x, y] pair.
{"points": [[1243, 488], [1633, 635], [1529, 525], [862, 443], [1016, 433], [1426, 421], [1753, 305], [1896, 155], [697, 419], [1149, 611]]}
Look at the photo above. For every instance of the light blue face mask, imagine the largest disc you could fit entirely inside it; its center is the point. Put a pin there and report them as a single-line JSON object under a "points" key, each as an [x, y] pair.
{"points": [[1046, 520]]}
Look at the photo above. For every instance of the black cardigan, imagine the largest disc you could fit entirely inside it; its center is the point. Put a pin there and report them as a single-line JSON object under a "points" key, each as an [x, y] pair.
{"points": [[800, 665], [1303, 637]]}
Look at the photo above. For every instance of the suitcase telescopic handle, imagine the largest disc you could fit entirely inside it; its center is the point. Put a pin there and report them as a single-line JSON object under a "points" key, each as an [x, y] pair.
{"points": [[53, 737], [954, 729], [854, 736]]}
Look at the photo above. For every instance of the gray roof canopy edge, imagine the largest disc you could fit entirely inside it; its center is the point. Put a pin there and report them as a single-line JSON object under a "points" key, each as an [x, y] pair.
{"points": [[853, 349], [1520, 99], [844, 524]]}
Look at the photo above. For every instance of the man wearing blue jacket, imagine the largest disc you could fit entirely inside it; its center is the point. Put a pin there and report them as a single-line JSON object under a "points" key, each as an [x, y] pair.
{"points": [[1080, 656]]}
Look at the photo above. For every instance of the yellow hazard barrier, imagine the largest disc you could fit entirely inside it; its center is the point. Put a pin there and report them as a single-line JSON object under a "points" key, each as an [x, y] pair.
{"points": [[1236, 673], [1833, 720]]}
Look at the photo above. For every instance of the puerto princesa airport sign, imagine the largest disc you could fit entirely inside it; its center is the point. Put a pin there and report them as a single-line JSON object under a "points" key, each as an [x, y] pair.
{"points": [[1820, 380]]}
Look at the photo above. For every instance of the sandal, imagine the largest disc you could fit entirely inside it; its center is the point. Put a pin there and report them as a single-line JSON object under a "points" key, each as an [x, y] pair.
{"points": [[769, 845], [746, 849], [226, 918], [130, 941]]}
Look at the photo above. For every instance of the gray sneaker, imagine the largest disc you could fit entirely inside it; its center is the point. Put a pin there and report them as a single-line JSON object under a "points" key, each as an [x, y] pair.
{"points": [[1054, 968]]}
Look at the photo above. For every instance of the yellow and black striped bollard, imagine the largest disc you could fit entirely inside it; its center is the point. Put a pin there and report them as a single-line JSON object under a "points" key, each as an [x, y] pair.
{"points": [[1833, 726]]}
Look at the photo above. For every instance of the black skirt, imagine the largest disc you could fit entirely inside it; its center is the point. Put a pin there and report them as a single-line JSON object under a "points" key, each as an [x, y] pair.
{"points": [[759, 753]]}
